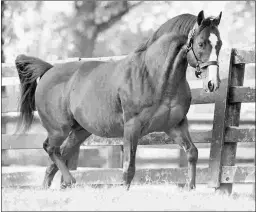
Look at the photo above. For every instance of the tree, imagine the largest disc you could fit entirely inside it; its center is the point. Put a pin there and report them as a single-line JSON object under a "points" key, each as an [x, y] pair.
{"points": [[57, 34], [92, 18], [242, 22], [3, 28]]}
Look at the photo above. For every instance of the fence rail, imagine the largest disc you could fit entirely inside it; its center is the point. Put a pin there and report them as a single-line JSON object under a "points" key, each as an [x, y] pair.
{"points": [[223, 137], [34, 141], [237, 94]]}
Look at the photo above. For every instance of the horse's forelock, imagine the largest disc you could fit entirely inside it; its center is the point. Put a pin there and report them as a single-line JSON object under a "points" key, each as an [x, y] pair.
{"points": [[209, 24], [209, 21], [212, 28]]}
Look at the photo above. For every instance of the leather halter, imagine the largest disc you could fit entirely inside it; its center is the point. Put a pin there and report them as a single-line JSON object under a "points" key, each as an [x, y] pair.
{"points": [[199, 64]]}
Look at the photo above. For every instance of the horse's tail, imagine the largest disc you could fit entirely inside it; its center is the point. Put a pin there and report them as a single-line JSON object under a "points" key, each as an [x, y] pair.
{"points": [[29, 69]]}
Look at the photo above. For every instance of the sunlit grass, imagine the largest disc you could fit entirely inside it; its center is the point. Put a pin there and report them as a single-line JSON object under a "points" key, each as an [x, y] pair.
{"points": [[116, 198]]}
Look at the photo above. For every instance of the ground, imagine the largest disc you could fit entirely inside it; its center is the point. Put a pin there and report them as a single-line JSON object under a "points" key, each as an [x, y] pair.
{"points": [[116, 198], [31, 197]]}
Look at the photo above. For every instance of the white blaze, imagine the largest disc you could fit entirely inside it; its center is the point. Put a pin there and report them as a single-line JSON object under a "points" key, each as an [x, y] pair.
{"points": [[212, 74]]}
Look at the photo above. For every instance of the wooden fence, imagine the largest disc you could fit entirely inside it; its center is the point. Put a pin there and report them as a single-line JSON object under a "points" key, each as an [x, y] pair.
{"points": [[223, 137]]}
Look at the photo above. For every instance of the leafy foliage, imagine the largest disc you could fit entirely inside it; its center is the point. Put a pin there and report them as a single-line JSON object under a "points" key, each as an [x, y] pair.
{"points": [[58, 30]]}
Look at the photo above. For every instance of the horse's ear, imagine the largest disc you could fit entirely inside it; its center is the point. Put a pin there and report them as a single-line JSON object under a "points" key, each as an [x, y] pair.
{"points": [[200, 17], [217, 19]]}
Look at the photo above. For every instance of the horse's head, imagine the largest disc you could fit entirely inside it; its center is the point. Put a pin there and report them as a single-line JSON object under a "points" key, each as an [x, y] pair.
{"points": [[203, 47]]}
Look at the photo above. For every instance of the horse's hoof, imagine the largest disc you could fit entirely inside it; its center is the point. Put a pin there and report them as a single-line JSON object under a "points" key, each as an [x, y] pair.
{"points": [[127, 179], [46, 184], [68, 184], [128, 187], [64, 186], [187, 187], [45, 187], [191, 187]]}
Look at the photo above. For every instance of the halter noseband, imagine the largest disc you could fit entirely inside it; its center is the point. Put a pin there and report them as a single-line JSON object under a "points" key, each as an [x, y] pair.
{"points": [[199, 64]]}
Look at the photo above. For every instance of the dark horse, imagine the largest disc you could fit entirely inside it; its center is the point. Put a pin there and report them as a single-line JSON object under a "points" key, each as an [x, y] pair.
{"points": [[143, 93], [181, 24]]}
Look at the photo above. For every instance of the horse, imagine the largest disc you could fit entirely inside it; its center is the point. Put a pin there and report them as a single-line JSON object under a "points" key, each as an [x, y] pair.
{"points": [[145, 92], [181, 24]]}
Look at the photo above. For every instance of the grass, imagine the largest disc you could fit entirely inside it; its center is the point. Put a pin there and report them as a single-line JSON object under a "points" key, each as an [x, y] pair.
{"points": [[116, 198]]}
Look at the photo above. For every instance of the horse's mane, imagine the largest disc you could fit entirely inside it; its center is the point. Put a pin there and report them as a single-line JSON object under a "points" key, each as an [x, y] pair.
{"points": [[179, 38], [180, 24]]}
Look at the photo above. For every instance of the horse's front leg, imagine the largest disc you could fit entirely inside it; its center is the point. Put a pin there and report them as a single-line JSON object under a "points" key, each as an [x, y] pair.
{"points": [[131, 135], [181, 136]]}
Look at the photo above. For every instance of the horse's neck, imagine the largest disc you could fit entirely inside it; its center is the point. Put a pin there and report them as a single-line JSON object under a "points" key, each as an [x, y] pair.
{"points": [[177, 73], [169, 64]]}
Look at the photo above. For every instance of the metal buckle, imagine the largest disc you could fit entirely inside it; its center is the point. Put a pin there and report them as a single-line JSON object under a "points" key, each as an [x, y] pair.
{"points": [[198, 72], [188, 48]]}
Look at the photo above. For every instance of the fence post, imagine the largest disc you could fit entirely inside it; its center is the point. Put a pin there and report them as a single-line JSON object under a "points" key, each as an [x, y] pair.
{"points": [[3, 125], [225, 114], [3, 95], [121, 156], [72, 162], [253, 185], [115, 156]]}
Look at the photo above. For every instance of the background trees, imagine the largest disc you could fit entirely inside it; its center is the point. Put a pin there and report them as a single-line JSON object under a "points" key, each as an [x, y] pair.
{"points": [[2, 29], [92, 18], [61, 29], [57, 30]]}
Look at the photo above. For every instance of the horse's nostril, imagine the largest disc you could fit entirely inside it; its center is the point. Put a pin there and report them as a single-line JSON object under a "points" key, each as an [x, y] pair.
{"points": [[211, 86]]}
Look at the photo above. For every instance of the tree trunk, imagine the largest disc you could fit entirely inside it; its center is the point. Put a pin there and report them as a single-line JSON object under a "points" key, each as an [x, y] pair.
{"points": [[85, 32], [85, 26], [3, 6]]}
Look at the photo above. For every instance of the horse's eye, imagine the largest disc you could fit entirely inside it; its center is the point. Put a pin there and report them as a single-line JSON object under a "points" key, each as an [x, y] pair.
{"points": [[200, 44], [219, 43]]}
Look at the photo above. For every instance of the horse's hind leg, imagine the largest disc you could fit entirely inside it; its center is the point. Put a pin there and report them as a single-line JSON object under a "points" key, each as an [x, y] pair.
{"points": [[50, 172], [52, 169], [70, 148], [52, 147], [181, 135], [72, 160]]}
